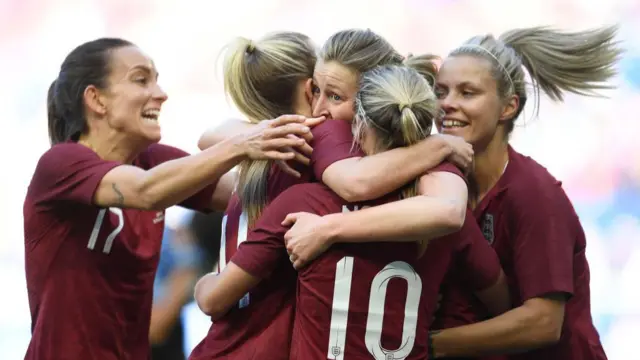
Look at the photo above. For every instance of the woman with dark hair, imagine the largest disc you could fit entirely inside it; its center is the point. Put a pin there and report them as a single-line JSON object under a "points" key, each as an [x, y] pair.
{"points": [[94, 210]]}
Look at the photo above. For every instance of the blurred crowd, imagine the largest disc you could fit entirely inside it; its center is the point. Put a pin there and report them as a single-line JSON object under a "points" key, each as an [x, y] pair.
{"points": [[588, 143]]}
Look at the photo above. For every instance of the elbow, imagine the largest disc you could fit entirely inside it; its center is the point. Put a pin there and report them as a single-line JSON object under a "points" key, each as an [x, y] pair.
{"points": [[356, 189], [545, 329], [203, 142], [549, 331], [208, 139], [454, 216], [206, 303], [148, 202]]}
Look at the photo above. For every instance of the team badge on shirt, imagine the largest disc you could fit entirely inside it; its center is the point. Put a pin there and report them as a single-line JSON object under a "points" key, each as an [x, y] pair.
{"points": [[487, 228]]}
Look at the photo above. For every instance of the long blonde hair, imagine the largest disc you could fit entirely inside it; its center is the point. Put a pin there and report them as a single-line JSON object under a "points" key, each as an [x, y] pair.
{"points": [[262, 78], [577, 62], [397, 104]]}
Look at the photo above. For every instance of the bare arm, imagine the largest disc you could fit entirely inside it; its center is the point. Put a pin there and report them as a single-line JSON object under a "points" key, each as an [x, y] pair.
{"points": [[537, 323], [366, 178], [224, 189], [216, 294], [439, 211], [166, 312], [173, 181], [496, 298]]}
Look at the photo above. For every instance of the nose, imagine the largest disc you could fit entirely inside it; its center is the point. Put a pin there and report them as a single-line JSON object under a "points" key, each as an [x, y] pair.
{"points": [[159, 94], [448, 104], [320, 108]]}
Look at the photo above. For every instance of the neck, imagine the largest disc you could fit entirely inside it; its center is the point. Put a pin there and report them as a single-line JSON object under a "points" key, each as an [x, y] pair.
{"points": [[111, 146], [489, 166]]}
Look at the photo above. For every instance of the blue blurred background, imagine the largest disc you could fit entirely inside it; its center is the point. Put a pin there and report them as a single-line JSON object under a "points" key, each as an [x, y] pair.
{"points": [[590, 144]]}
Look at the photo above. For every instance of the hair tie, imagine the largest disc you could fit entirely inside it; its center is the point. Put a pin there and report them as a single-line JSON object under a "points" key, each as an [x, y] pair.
{"points": [[251, 47], [402, 106]]}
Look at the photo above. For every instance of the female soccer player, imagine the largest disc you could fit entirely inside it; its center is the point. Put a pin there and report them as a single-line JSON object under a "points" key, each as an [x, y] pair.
{"points": [[290, 58], [522, 209], [525, 213], [94, 210], [396, 107]]}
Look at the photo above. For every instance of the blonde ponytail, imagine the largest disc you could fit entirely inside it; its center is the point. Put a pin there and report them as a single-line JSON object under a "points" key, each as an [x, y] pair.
{"points": [[262, 78], [557, 61], [398, 106]]}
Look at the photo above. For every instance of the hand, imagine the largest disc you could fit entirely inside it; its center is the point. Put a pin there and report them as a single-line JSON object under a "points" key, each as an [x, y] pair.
{"points": [[270, 140], [461, 152], [307, 239], [302, 152]]}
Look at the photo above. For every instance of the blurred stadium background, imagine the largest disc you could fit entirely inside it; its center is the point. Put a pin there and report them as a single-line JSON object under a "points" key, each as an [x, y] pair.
{"points": [[590, 144]]}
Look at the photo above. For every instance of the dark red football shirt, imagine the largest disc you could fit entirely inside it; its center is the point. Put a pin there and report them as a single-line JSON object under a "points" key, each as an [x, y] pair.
{"points": [[230, 335], [90, 270], [332, 141], [376, 300], [533, 227]]}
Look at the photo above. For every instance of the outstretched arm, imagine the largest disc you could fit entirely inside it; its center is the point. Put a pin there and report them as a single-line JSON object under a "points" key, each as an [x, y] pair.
{"points": [[440, 210], [174, 181], [367, 178]]}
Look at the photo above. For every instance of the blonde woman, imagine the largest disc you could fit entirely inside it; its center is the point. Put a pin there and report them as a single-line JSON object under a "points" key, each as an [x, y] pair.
{"points": [[289, 60], [343, 297]]}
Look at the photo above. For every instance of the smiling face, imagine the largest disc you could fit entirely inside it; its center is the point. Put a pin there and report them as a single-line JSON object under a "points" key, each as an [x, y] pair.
{"points": [[468, 96], [133, 99], [334, 91]]}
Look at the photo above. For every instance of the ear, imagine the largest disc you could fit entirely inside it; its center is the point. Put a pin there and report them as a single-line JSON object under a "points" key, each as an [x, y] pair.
{"points": [[308, 90], [510, 108], [94, 100]]}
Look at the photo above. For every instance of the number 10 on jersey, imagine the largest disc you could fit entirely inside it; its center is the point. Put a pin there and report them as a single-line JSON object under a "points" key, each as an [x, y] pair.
{"points": [[377, 297]]}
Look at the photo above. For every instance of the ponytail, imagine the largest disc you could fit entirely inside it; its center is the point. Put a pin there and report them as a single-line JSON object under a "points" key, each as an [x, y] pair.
{"points": [[262, 79]]}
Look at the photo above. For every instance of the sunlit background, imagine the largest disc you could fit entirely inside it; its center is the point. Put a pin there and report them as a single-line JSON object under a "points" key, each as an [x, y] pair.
{"points": [[590, 144]]}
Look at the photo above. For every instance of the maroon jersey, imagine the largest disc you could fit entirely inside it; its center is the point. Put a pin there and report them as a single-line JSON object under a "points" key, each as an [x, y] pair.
{"points": [[90, 270], [376, 300], [230, 335], [332, 141], [536, 232]]}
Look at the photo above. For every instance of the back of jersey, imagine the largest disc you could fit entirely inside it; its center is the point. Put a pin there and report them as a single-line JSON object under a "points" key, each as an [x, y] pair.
{"points": [[361, 301]]}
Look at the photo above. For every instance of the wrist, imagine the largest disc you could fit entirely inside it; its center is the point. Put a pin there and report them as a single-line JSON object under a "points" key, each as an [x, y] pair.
{"points": [[331, 228], [236, 146]]}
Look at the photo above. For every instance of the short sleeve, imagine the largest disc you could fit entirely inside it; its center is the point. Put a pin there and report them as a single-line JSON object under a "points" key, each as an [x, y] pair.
{"points": [[68, 172], [332, 141], [477, 263], [157, 154], [446, 166], [264, 248], [543, 240]]}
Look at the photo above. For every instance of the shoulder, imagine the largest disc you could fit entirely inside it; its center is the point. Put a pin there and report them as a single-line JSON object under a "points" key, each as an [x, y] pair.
{"points": [[310, 197], [60, 156], [332, 126], [534, 193], [446, 166], [61, 152]]}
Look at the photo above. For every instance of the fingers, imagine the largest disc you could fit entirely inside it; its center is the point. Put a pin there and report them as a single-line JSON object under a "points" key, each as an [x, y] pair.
{"points": [[283, 144], [311, 122], [283, 131], [305, 148], [299, 264], [286, 119], [290, 219], [274, 155], [284, 166]]}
